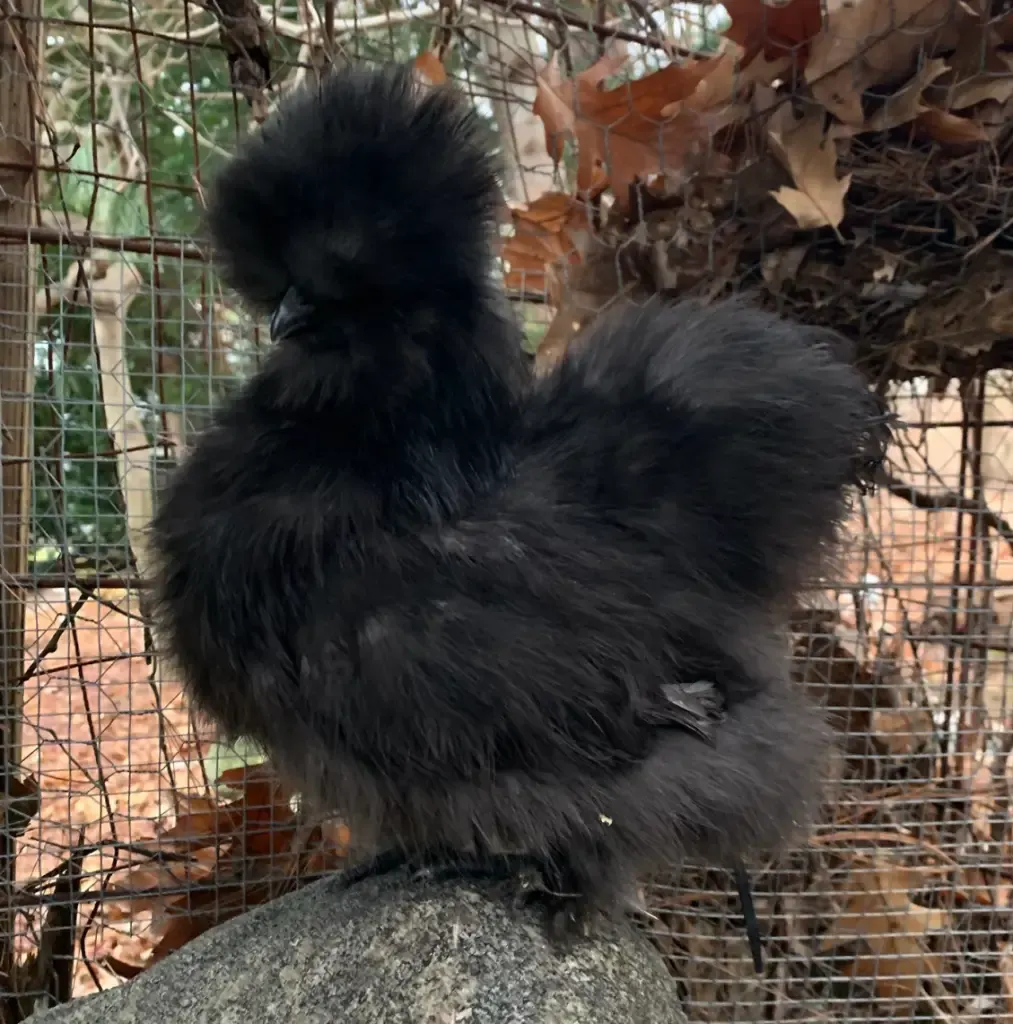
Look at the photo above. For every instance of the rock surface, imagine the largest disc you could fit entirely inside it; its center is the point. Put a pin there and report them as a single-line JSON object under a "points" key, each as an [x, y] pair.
{"points": [[391, 951]]}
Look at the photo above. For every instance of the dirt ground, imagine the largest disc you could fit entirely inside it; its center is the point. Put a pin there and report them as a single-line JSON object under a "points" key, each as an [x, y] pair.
{"points": [[94, 732]]}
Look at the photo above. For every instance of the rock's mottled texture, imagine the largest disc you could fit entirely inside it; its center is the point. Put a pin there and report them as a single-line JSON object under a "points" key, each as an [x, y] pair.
{"points": [[390, 951]]}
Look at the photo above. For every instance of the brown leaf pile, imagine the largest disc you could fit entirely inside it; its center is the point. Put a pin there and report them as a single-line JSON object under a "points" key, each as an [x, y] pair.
{"points": [[801, 127], [221, 858], [892, 929]]}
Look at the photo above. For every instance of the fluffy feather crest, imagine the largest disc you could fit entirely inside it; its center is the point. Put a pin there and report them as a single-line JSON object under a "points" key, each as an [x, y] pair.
{"points": [[362, 188]]}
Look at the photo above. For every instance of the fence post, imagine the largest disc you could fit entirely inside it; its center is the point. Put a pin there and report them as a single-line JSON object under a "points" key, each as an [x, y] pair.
{"points": [[19, 29]]}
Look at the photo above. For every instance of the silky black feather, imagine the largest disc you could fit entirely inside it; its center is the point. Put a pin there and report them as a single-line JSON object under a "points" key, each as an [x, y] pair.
{"points": [[473, 611]]}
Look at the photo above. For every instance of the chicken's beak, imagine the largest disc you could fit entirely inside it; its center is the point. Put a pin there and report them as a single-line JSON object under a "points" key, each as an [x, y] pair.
{"points": [[293, 315]]}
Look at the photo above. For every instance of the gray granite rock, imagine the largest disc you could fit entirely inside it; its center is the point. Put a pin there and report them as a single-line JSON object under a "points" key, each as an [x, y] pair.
{"points": [[391, 951]]}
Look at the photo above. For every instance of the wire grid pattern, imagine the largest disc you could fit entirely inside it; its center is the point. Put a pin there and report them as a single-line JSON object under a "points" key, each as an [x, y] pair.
{"points": [[125, 808]]}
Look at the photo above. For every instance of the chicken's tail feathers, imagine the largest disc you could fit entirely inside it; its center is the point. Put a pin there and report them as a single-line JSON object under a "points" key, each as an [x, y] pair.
{"points": [[753, 792], [730, 437], [364, 186]]}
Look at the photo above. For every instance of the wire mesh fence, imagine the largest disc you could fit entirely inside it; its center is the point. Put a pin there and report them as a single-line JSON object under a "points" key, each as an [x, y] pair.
{"points": [[845, 163]]}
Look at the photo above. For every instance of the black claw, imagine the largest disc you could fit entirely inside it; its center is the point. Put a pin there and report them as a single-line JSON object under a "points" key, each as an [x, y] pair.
{"points": [[567, 917], [567, 914]]}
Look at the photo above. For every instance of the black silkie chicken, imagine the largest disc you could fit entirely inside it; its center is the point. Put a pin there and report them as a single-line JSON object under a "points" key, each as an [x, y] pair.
{"points": [[478, 613]]}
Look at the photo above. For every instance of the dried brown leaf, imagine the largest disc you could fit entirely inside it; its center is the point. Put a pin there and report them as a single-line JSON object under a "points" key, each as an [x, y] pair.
{"points": [[196, 912], [266, 821], [717, 87], [897, 969], [811, 158], [556, 97], [901, 731], [624, 134], [893, 927], [203, 824], [906, 104], [550, 235], [951, 129], [151, 887], [980, 70], [591, 286], [868, 43], [123, 970], [246, 776], [176, 934], [994, 83], [1006, 968], [429, 68], [336, 836], [781, 265], [775, 30]]}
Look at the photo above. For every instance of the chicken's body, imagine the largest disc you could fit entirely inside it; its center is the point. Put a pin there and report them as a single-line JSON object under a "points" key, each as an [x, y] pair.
{"points": [[457, 605]]}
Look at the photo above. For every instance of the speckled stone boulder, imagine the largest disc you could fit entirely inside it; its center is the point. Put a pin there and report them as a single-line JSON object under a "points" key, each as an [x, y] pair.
{"points": [[391, 951]]}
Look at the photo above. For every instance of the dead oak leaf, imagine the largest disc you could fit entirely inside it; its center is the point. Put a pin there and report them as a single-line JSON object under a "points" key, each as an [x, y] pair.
{"points": [[624, 133], [867, 43], [976, 77], [893, 928], [723, 91], [556, 97], [641, 148], [551, 213], [906, 104], [645, 97], [203, 823], [810, 157], [549, 235], [951, 129], [775, 30], [897, 968]]}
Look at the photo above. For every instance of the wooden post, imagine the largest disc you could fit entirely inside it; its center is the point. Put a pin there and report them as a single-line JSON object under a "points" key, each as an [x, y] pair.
{"points": [[19, 33]]}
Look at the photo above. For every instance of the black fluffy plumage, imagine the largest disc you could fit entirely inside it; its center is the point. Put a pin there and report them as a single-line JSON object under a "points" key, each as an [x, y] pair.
{"points": [[473, 611]]}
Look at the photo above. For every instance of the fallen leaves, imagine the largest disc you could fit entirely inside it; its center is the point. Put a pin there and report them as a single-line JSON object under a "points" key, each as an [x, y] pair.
{"points": [[806, 152], [549, 235], [556, 98], [776, 30], [666, 123], [908, 104], [979, 72], [790, 112], [867, 43], [951, 129], [656, 124], [219, 859], [893, 930]]}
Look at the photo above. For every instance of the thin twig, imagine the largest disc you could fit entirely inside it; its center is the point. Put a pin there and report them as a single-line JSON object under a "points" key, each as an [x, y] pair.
{"points": [[940, 501], [588, 25]]}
